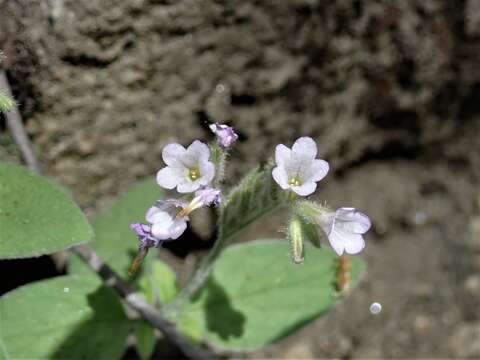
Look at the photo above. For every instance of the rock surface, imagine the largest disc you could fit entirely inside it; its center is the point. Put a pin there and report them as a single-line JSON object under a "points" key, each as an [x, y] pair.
{"points": [[390, 90]]}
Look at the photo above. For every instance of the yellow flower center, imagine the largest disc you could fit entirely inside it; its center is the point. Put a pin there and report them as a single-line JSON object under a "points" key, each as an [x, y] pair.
{"points": [[294, 182], [193, 174]]}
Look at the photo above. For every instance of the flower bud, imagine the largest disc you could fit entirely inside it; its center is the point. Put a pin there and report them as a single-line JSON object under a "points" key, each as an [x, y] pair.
{"points": [[226, 136], [295, 237]]}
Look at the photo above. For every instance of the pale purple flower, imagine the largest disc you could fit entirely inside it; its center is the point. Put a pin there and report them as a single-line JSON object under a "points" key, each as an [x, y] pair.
{"points": [[165, 219], [344, 229], [297, 169], [187, 169], [146, 240], [226, 136], [145, 237]]}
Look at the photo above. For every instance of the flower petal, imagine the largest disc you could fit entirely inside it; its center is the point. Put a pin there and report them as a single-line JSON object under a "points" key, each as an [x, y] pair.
{"points": [[188, 186], [305, 189], [326, 221], [199, 150], [340, 238], [318, 170], [280, 176], [363, 223], [168, 178], [171, 154], [154, 215], [354, 244], [161, 230], [305, 146], [353, 220], [282, 154], [207, 172], [337, 241], [177, 228]]}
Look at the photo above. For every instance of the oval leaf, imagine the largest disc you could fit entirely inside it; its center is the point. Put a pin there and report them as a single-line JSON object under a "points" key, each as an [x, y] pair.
{"points": [[37, 216], [256, 295], [62, 318]]}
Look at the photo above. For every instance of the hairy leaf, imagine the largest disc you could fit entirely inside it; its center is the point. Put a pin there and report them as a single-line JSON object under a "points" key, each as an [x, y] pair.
{"points": [[62, 318], [256, 295], [37, 216]]}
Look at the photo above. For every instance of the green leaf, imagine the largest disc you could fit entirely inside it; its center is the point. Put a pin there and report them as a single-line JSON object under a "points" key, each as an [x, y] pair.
{"points": [[114, 241], [62, 318], [145, 335], [37, 216], [256, 295], [190, 328], [254, 197], [158, 283]]}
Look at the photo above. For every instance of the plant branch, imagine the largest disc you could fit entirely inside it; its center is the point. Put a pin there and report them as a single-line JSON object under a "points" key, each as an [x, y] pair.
{"points": [[15, 125], [108, 276], [138, 303]]}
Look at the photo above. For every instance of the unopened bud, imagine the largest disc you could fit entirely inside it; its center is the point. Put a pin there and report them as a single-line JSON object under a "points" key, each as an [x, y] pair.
{"points": [[295, 236], [226, 136]]}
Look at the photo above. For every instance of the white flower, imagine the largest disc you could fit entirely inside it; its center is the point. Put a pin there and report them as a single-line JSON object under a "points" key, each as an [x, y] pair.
{"points": [[297, 169], [344, 229], [187, 169], [165, 222]]}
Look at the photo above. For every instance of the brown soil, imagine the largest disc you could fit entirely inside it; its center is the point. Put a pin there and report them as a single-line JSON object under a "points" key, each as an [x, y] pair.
{"points": [[389, 89]]}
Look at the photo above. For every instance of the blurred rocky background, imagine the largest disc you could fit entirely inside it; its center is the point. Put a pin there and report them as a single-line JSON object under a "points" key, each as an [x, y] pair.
{"points": [[389, 89]]}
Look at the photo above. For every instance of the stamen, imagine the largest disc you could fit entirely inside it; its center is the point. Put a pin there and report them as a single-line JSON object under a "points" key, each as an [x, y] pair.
{"points": [[294, 182], [193, 174]]}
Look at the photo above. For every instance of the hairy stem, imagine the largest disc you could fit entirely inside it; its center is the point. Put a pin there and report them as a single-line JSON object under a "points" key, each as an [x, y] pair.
{"points": [[138, 303], [15, 125]]}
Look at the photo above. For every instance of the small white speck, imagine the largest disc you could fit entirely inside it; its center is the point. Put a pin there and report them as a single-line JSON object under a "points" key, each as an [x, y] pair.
{"points": [[66, 289], [420, 218], [220, 88], [375, 308]]}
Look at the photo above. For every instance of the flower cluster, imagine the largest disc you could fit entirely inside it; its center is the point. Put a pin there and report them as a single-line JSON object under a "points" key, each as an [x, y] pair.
{"points": [[192, 170], [189, 171], [298, 171]]}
